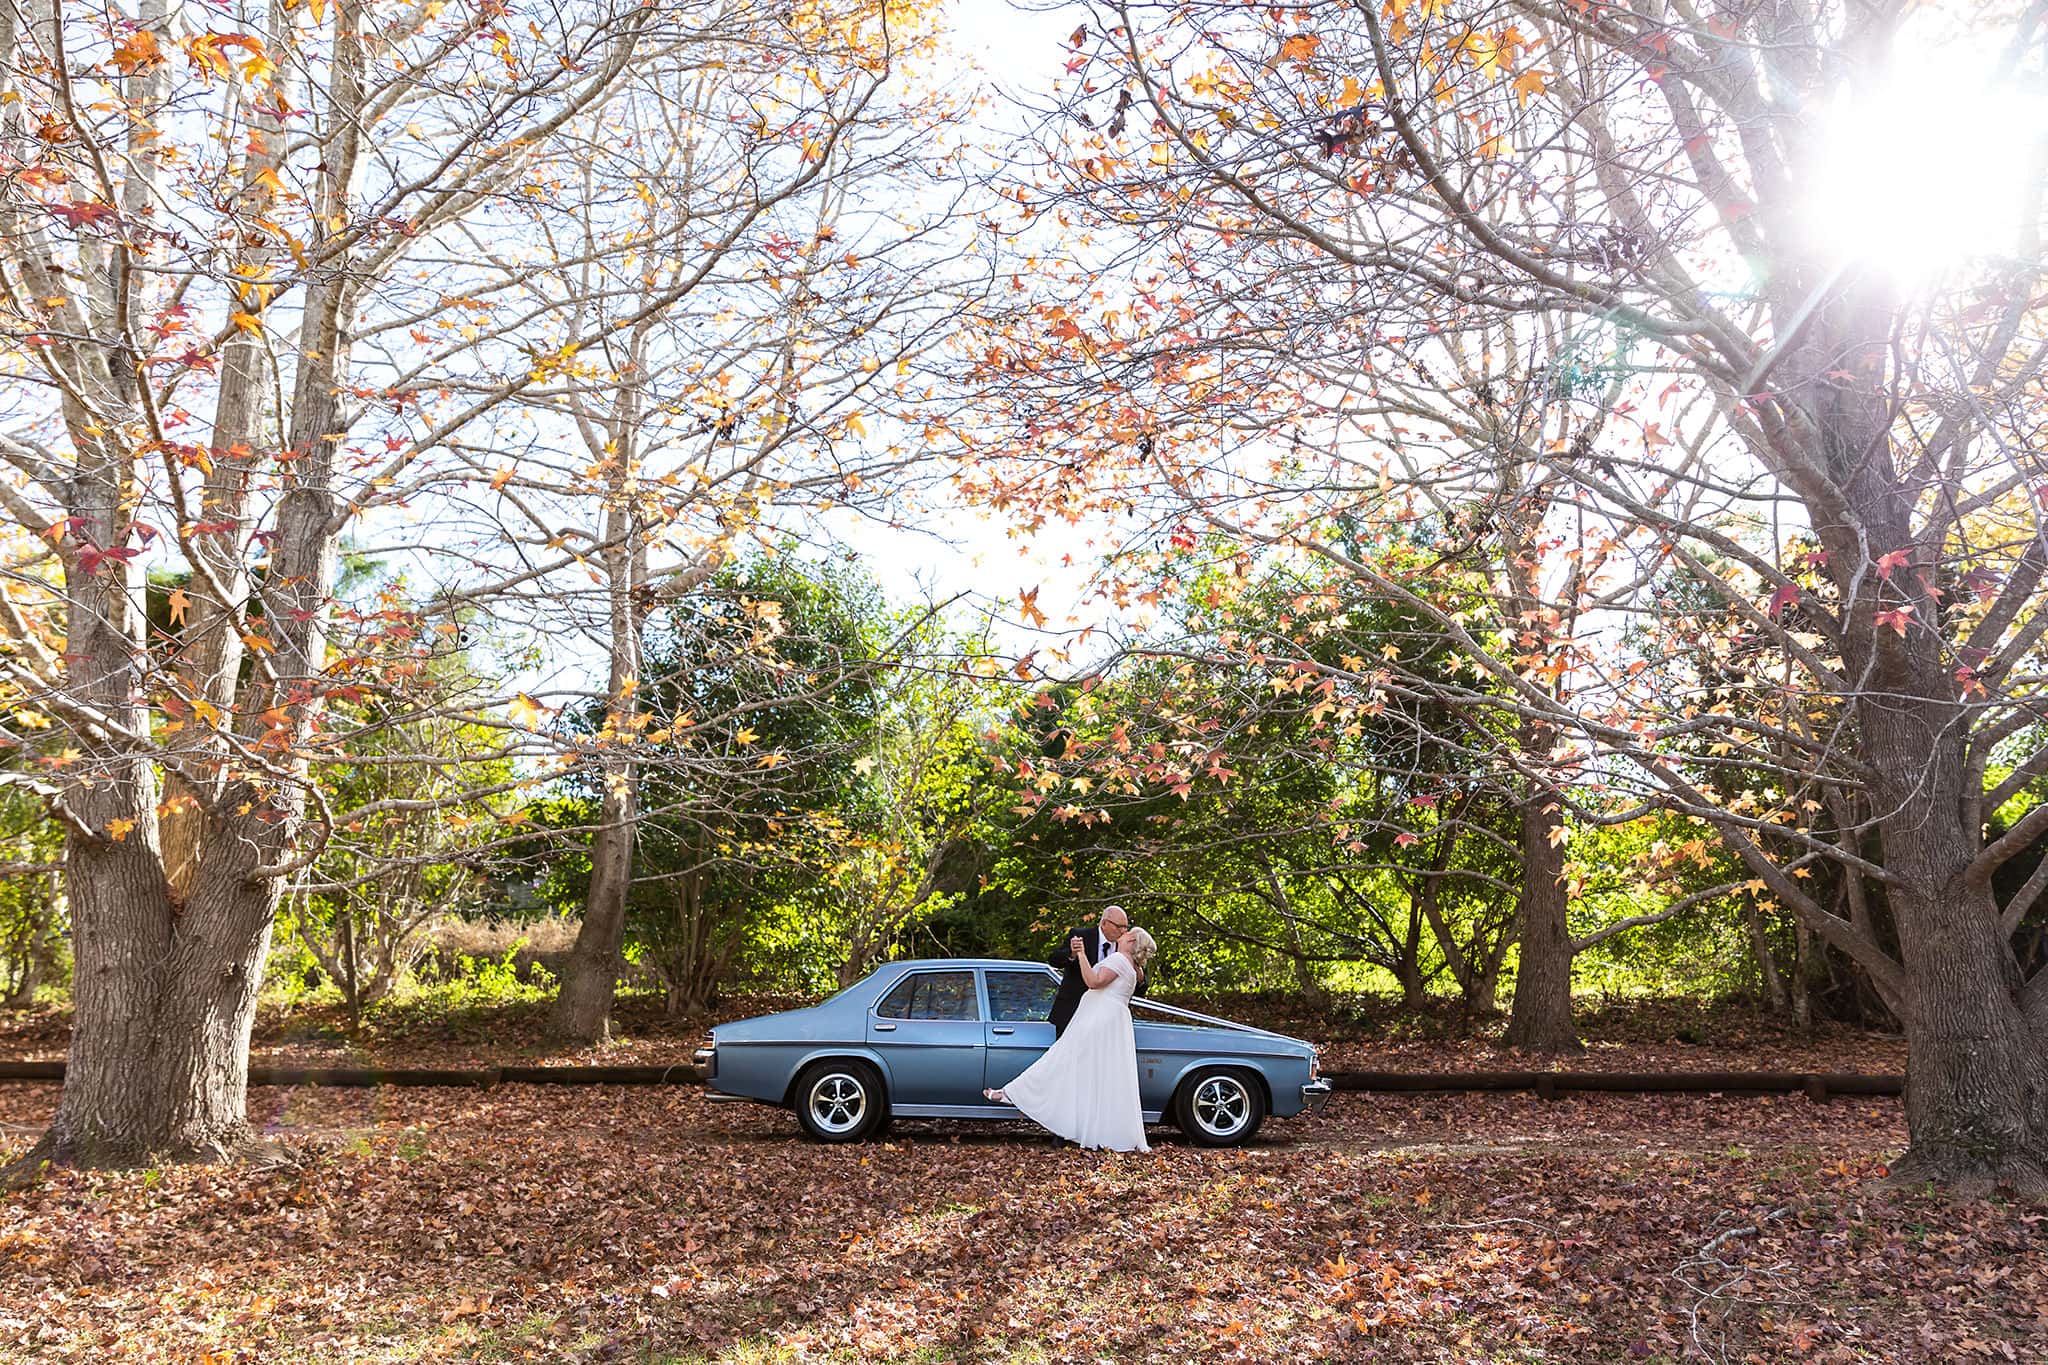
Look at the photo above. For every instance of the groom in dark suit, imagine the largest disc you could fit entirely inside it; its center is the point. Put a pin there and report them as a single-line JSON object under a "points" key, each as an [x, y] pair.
{"points": [[1096, 940]]}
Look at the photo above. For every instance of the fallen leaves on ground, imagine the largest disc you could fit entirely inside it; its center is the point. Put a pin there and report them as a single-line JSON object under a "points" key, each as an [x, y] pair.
{"points": [[616, 1224]]}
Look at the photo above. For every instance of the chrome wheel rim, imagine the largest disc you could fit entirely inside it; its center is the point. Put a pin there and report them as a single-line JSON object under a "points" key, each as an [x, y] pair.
{"points": [[1222, 1105], [838, 1102]]}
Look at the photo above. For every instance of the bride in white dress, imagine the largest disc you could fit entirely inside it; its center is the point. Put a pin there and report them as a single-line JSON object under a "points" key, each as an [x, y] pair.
{"points": [[1085, 1087]]}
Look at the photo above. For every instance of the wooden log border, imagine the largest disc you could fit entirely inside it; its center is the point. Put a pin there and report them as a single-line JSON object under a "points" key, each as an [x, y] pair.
{"points": [[1816, 1086]]}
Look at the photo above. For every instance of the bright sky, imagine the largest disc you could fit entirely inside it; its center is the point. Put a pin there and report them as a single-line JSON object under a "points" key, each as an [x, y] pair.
{"points": [[1019, 52]]}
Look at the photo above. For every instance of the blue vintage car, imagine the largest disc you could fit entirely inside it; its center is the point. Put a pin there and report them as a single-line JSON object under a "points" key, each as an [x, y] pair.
{"points": [[923, 1039]]}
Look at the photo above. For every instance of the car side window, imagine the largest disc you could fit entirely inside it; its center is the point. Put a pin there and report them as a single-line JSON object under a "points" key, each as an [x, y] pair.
{"points": [[1021, 997], [931, 995]]}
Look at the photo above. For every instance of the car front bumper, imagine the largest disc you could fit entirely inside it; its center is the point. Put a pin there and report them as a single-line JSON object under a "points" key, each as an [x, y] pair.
{"points": [[1315, 1095]]}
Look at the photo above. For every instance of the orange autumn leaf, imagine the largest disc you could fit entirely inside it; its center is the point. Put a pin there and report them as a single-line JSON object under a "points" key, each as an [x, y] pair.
{"points": [[137, 53], [1300, 47]]}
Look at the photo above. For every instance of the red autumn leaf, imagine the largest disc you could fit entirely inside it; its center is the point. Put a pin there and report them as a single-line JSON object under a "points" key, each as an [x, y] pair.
{"points": [[88, 214]]}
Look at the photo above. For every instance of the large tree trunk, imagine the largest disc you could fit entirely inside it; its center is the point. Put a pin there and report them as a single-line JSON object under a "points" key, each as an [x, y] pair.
{"points": [[1977, 1064], [164, 1000], [1977, 1068], [1541, 1018]]}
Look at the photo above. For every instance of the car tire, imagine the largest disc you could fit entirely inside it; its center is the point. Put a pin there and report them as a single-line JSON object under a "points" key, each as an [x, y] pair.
{"points": [[841, 1101], [1219, 1107]]}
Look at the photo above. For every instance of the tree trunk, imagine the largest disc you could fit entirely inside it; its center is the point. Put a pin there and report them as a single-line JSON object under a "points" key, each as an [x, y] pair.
{"points": [[695, 965], [1483, 997], [1977, 1068], [1977, 1064], [164, 999], [1772, 980], [1414, 991], [1802, 975], [583, 1004], [1541, 1019]]}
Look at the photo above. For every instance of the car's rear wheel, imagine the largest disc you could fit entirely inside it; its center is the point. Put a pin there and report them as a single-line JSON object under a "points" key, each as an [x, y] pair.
{"points": [[841, 1101], [1219, 1107]]}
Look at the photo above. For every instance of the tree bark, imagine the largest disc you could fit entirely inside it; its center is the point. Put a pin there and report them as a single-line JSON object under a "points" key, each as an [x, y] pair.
{"points": [[1776, 998], [164, 999], [1802, 975], [1977, 1064], [1541, 1017], [583, 1004]]}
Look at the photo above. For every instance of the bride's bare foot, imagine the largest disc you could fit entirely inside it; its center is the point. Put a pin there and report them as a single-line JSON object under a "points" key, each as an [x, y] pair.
{"points": [[997, 1096]]}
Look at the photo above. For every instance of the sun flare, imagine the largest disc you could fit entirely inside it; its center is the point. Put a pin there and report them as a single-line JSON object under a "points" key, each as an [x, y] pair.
{"points": [[1925, 169]]}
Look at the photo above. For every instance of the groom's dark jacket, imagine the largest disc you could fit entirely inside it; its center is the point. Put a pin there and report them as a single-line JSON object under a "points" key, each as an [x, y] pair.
{"points": [[1072, 987]]}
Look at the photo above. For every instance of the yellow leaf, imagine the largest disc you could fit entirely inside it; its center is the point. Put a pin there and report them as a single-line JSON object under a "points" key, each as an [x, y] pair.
{"points": [[769, 760], [525, 711], [745, 736], [1530, 82], [249, 323], [117, 830], [863, 766], [206, 711]]}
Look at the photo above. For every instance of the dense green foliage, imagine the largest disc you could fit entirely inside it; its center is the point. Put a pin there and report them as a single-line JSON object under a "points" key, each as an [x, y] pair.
{"points": [[876, 790]]}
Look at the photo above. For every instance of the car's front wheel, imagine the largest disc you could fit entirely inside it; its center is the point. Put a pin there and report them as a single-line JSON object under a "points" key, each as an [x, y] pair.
{"points": [[841, 1101], [1219, 1107]]}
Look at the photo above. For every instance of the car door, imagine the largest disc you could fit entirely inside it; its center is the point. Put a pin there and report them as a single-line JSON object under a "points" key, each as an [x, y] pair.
{"points": [[1019, 999], [927, 1028]]}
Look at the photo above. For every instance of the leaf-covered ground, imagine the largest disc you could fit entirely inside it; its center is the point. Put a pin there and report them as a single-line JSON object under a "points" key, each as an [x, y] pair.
{"points": [[645, 1224], [1356, 1034]]}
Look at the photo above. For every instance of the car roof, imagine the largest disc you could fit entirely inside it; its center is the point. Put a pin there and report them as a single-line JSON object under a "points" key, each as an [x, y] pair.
{"points": [[963, 962]]}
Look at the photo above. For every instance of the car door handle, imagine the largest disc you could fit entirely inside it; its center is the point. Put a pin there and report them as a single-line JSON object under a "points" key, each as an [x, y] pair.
{"points": [[885, 1028], [1002, 1030]]}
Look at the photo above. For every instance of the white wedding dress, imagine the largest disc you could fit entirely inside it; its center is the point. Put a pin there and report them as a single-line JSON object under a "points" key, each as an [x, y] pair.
{"points": [[1085, 1087]]}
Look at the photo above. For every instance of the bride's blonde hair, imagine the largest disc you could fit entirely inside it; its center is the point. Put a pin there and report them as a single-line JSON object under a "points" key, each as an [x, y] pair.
{"points": [[1138, 946]]}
